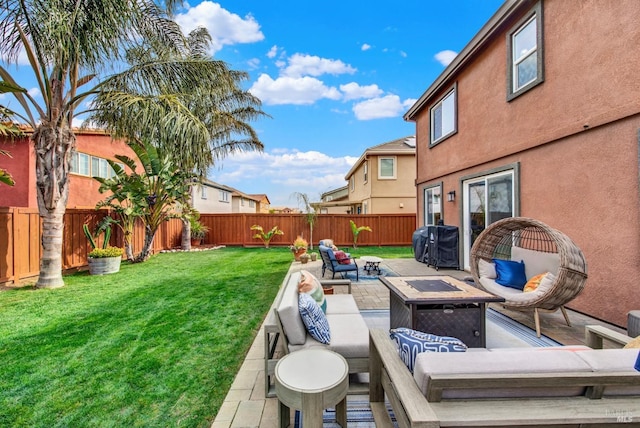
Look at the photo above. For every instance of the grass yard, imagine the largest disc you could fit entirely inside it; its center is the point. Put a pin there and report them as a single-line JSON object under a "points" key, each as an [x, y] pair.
{"points": [[156, 345]]}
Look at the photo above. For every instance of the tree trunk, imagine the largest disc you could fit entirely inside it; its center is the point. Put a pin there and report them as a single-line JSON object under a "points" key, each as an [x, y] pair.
{"points": [[54, 147], [144, 255], [185, 244]]}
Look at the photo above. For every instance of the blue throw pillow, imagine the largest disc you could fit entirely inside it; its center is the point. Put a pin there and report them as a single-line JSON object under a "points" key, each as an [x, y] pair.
{"points": [[314, 319], [412, 342], [510, 273]]}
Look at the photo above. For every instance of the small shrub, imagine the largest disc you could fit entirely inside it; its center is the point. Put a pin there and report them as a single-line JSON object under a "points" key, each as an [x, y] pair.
{"points": [[99, 253]]}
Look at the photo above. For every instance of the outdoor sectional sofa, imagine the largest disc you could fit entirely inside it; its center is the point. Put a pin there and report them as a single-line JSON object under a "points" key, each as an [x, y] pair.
{"points": [[285, 331], [563, 386]]}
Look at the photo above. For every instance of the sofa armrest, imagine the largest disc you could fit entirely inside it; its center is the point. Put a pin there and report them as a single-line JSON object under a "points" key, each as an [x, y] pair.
{"points": [[336, 282], [595, 335], [389, 376]]}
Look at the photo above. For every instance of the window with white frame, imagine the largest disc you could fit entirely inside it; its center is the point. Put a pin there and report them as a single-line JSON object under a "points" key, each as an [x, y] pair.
{"points": [[432, 205], [525, 53], [252, 203], [224, 196], [365, 168], [203, 194], [443, 117], [387, 168], [352, 182], [92, 166]]}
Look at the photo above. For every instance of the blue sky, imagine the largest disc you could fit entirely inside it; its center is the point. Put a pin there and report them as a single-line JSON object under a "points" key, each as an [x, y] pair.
{"points": [[336, 77]]}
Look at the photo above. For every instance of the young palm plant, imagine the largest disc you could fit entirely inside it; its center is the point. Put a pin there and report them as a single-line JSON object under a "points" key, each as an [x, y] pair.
{"points": [[355, 230]]}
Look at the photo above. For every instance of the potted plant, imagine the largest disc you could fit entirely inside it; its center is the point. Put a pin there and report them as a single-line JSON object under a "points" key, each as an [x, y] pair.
{"points": [[299, 247], [198, 232], [314, 256], [304, 258], [105, 260]]}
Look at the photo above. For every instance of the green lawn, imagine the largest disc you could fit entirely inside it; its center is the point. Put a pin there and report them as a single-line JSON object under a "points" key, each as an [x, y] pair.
{"points": [[156, 345]]}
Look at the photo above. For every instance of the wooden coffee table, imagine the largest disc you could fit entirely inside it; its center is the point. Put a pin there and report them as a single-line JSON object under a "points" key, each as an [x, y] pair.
{"points": [[439, 304]]}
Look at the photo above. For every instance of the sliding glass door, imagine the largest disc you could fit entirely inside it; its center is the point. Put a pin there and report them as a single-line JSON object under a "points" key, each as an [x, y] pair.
{"points": [[487, 199]]}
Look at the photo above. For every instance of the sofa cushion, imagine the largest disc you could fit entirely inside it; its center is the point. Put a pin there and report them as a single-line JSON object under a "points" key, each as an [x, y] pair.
{"points": [[349, 336], [619, 360], [314, 318], [410, 343], [510, 273], [310, 285], [496, 362], [289, 313], [536, 262], [341, 304]]}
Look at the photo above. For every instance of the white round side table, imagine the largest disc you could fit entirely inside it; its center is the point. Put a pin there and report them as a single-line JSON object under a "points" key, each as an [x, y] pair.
{"points": [[312, 380]]}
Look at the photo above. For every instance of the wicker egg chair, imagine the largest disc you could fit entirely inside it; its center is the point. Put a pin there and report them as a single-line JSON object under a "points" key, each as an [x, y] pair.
{"points": [[496, 242]]}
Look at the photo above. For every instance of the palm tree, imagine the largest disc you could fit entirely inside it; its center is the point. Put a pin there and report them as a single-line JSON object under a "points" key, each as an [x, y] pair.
{"points": [[310, 212], [74, 50], [197, 123]]}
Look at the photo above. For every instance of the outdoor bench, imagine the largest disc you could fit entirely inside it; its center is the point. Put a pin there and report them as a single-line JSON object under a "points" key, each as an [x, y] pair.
{"points": [[603, 390], [285, 332]]}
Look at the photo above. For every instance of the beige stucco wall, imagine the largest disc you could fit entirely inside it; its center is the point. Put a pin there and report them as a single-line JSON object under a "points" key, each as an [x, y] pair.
{"points": [[385, 196], [575, 138], [212, 204]]}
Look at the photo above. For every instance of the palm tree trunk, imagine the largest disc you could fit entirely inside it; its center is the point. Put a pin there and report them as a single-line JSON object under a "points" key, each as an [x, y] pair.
{"points": [[145, 253], [54, 147], [185, 244]]}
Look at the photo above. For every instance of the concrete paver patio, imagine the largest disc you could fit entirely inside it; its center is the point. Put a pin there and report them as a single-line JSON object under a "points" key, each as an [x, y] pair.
{"points": [[246, 405]]}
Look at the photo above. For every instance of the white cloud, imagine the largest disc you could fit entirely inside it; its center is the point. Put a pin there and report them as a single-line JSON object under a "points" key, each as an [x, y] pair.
{"points": [[281, 172], [445, 57], [379, 108], [311, 65], [365, 47], [272, 52], [403, 54], [353, 91], [34, 92], [289, 90], [226, 28], [253, 63]]}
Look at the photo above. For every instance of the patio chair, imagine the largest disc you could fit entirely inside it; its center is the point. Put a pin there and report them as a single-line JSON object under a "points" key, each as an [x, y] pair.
{"points": [[330, 262], [542, 249]]}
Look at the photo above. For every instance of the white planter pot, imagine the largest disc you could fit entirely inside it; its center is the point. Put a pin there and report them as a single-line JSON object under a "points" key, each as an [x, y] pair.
{"points": [[104, 265]]}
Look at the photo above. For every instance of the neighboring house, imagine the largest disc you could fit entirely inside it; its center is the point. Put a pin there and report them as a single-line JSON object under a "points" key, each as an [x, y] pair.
{"points": [[209, 197], [264, 204], [93, 148], [334, 201], [539, 116], [382, 181], [243, 203]]}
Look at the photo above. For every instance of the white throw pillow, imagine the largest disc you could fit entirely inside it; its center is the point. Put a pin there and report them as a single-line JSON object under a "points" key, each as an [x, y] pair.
{"points": [[487, 269]]}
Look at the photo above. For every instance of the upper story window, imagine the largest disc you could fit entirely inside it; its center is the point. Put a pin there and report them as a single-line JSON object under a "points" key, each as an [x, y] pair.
{"points": [[444, 121], [352, 182], [92, 166], [386, 168], [252, 203], [525, 53], [224, 196], [365, 168], [204, 192]]}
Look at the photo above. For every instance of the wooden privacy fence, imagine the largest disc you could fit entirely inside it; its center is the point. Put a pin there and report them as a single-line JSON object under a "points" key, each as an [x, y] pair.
{"points": [[21, 229]]}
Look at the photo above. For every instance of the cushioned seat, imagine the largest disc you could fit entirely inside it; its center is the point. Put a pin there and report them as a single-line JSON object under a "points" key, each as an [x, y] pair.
{"points": [[548, 254], [331, 263]]}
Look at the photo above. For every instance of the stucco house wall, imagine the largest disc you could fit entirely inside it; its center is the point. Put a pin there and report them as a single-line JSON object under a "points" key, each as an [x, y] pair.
{"points": [[83, 190], [573, 140]]}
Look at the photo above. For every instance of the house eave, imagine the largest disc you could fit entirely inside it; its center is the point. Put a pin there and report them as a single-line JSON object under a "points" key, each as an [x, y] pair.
{"points": [[486, 33]]}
